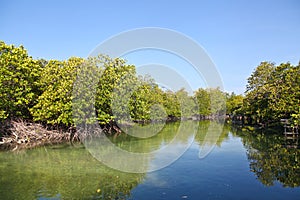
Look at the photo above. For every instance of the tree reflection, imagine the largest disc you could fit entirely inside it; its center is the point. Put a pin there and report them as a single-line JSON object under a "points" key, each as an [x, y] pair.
{"points": [[209, 134], [65, 172], [61, 172], [271, 160]]}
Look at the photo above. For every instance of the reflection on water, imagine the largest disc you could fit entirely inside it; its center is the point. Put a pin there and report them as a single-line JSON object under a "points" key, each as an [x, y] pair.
{"points": [[140, 155], [209, 134], [233, 165], [62, 172], [272, 160]]}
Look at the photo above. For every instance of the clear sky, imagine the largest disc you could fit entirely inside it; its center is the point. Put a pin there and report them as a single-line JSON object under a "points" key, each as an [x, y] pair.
{"points": [[237, 35]]}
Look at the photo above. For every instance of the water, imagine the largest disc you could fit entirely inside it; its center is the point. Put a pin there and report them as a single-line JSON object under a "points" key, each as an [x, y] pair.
{"points": [[240, 166]]}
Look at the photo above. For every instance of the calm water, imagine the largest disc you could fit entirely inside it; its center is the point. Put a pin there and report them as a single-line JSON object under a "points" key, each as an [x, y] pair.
{"points": [[239, 166]]}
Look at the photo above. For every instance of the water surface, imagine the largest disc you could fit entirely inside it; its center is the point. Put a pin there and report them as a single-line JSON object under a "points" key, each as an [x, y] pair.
{"points": [[240, 166]]}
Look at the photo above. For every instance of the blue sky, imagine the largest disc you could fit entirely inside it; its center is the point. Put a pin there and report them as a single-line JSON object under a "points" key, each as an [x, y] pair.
{"points": [[237, 35]]}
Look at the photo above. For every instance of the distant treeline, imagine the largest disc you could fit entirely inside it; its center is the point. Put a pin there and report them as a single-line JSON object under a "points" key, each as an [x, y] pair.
{"points": [[42, 91]]}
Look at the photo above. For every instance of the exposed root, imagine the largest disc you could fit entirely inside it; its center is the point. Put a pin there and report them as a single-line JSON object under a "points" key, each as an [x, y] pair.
{"points": [[21, 134]]}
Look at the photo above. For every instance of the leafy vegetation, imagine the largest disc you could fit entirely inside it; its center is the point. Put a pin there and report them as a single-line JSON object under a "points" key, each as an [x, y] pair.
{"points": [[19, 82], [43, 91], [234, 104], [211, 102], [54, 105], [273, 92]]}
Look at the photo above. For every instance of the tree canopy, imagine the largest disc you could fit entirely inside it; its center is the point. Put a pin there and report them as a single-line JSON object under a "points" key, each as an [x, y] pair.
{"points": [[273, 92], [42, 90], [19, 82]]}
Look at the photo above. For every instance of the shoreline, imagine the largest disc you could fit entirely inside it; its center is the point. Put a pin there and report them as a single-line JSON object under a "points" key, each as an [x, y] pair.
{"points": [[21, 134]]}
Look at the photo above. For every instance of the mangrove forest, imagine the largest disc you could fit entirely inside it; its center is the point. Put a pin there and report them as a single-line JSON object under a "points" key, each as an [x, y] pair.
{"points": [[36, 97]]}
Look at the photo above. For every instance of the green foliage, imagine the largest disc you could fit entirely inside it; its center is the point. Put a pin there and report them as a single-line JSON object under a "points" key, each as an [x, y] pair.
{"points": [[187, 103], [234, 104], [285, 91], [141, 102], [203, 100], [55, 103], [117, 78], [19, 82], [84, 89], [171, 104], [296, 118], [211, 101], [218, 101], [157, 109], [44, 91], [273, 92]]}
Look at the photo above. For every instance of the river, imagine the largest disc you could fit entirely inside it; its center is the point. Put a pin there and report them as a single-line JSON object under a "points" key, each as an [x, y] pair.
{"points": [[214, 162]]}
